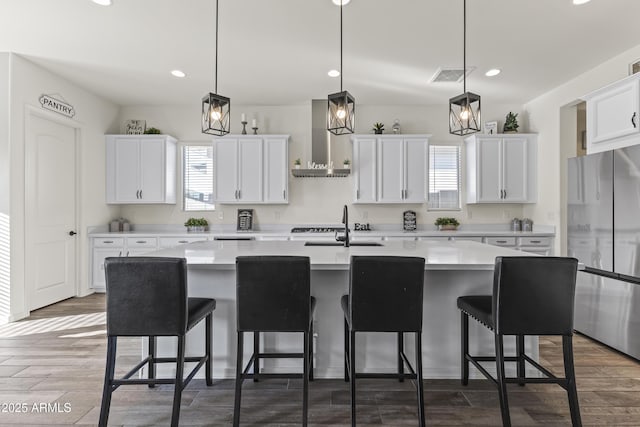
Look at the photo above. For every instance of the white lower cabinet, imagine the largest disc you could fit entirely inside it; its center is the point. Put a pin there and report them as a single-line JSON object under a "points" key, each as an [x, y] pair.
{"points": [[536, 245]]}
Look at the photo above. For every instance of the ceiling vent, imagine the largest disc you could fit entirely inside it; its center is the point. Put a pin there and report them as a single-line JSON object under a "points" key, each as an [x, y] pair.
{"points": [[449, 75]]}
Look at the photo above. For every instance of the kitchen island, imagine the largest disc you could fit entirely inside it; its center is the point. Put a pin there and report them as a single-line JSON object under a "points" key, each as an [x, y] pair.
{"points": [[453, 268]]}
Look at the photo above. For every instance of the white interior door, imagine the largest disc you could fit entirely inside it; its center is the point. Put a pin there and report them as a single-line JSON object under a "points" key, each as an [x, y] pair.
{"points": [[50, 273]]}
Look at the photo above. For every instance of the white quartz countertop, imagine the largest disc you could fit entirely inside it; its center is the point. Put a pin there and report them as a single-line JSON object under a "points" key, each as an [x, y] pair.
{"points": [[439, 255]]}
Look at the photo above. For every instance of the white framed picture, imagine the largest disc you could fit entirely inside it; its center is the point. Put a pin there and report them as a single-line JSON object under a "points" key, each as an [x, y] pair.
{"points": [[135, 127], [490, 128]]}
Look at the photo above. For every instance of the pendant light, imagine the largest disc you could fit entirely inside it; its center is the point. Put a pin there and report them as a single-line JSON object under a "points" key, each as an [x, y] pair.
{"points": [[341, 106], [216, 108], [464, 110]]}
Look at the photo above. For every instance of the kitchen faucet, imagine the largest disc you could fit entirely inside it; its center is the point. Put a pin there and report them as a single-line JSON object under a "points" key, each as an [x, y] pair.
{"points": [[345, 221]]}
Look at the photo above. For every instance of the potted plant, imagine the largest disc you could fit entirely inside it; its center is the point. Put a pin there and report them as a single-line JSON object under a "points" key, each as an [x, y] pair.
{"points": [[447, 223], [196, 224], [378, 128], [152, 131], [297, 163], [511, 123], [346, 163]]}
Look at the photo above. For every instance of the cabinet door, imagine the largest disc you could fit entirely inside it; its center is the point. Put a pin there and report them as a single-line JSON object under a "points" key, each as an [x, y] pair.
{"points": [[152, 170], [126, 170], [390, 170], [364, 170], [415, 171], [514, 170], [488, 169], [226, 170], [97, 267], [276, 176], [614, 113], [250, 170]]}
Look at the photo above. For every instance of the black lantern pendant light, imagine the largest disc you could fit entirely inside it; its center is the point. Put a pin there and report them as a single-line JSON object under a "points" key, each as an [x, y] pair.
{"points": [[464, 110], [341, 106], [216, 108]]}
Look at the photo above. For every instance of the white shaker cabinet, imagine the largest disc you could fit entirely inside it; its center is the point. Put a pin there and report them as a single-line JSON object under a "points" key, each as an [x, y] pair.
{"points": [[141, 169], [501, 168], [612, 115], [390, 168], [251, 169]]}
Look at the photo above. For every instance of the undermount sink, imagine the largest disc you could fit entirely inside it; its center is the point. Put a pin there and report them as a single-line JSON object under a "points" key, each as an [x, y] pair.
{"points": [[342, 244]]}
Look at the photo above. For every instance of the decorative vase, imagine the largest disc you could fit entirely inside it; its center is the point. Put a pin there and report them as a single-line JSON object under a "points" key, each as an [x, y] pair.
{"points": [[296, 166], [509, 131], [345, 165], [378, 132], [196, 228], [447, 227]]}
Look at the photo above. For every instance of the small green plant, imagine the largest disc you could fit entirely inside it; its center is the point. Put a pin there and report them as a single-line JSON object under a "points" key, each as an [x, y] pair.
{"points": [[378, 127], [511, 123], [196, 222], [152, 131], [346, 162], [297, 162], [447, 221]]}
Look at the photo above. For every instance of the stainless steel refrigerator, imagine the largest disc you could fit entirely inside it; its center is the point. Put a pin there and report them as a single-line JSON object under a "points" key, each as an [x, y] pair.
{"points": [[603, 232]]}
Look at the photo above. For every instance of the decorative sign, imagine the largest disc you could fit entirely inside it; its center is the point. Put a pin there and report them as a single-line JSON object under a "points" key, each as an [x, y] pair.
{"points": [[245, 220], [60, 107], [409, 222], [490, 128], [135, 127]]}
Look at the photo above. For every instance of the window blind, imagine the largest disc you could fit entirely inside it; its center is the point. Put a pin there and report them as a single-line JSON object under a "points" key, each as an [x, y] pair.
{"points": [[444, 177], [197, 180]]}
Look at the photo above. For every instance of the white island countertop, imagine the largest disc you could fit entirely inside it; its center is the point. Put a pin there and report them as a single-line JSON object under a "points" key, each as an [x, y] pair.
{"points": [[439, 255]]}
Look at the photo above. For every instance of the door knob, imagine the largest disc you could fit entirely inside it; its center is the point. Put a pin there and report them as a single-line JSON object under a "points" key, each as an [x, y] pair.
{"points": [[72, 233]]}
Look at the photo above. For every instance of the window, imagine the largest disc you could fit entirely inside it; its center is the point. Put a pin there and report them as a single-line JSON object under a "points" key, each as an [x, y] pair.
{"points": [[444, 177], [197, 177]]}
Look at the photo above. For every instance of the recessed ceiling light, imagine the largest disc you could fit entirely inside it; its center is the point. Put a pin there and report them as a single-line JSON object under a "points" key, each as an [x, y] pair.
{"points": [[578, 2], [102, 2], [341, 2], [333, 73], [178, 73], [493, 72]]}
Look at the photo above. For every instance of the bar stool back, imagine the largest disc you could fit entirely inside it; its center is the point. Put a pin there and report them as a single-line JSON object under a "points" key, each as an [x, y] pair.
{"points": [[531, 296], [147, 296], [273, 294], [385, 295]]}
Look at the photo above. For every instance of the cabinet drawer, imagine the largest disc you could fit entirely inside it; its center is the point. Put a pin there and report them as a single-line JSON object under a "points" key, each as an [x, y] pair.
{"points": [[535, 241], [170, 242], [469, 239], [141, 242], [501, 241], [108, 242]]}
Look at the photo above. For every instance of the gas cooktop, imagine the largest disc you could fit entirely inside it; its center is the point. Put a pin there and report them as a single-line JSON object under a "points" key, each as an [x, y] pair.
{"points": [[316, 229]]}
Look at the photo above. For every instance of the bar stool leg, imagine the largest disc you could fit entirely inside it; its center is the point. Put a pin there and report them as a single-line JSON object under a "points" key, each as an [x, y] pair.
{"points": [[465, 348], [420, 385], [311, 352], [177, 392], [108, 379], [207, 342], [346, 350], [256, 356], [239, 378], [152, 355], [520, 351], [569, 374], [352, 375], [305, 380], [502, 385], [400, 361]]}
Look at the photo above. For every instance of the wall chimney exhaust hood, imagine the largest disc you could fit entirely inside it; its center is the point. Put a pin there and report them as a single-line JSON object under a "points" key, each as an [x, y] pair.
{"points": [[320, 147]]}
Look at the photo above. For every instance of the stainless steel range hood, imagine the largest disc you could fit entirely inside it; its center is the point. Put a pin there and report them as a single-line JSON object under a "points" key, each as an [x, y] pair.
{"points": [[320, 147]]}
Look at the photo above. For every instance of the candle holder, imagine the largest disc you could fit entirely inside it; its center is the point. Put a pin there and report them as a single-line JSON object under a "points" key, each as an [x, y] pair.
{"points": [[255, 130], [244, 127]]}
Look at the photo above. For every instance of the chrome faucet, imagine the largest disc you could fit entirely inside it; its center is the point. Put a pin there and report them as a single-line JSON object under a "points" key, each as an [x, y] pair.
{"points": [[345, 221]]}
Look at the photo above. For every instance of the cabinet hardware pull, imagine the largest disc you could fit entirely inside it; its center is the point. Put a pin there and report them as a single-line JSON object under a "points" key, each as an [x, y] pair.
{"points": [[501, 241], [120, 253], [358, 194], [239, 194], [137, 194], [183, 241], [127, 253], [535, 241], [107, 241], [141, 241], [633, 120], [141, 194], [284, 194]]}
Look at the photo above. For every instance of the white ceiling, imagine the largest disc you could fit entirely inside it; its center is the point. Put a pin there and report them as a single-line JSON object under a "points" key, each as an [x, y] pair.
{"points": [[276, 52]]}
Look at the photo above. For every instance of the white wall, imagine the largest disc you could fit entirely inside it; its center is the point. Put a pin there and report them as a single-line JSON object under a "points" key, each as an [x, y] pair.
{"points": [[5, 259], [544, 115], [95, 115], [315, 200]]}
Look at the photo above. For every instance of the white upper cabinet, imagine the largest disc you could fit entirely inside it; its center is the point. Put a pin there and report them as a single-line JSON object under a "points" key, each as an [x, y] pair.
{"points": [[251, 169], [390, 168], [612, 115], [141, 169], [501, 168]]}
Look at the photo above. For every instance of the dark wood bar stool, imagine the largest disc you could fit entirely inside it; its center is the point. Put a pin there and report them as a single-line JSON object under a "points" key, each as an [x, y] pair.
{"points": [[531, 296], [273, 294], [385, 295], [147, 296]]}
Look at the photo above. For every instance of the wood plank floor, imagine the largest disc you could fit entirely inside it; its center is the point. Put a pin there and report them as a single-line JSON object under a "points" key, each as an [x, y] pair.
{"points": [[55, 360]]}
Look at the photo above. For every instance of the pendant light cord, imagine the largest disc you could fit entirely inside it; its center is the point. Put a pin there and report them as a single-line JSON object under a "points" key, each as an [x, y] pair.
{"points": [[215, 78], [464, 46], [340, 46]]}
